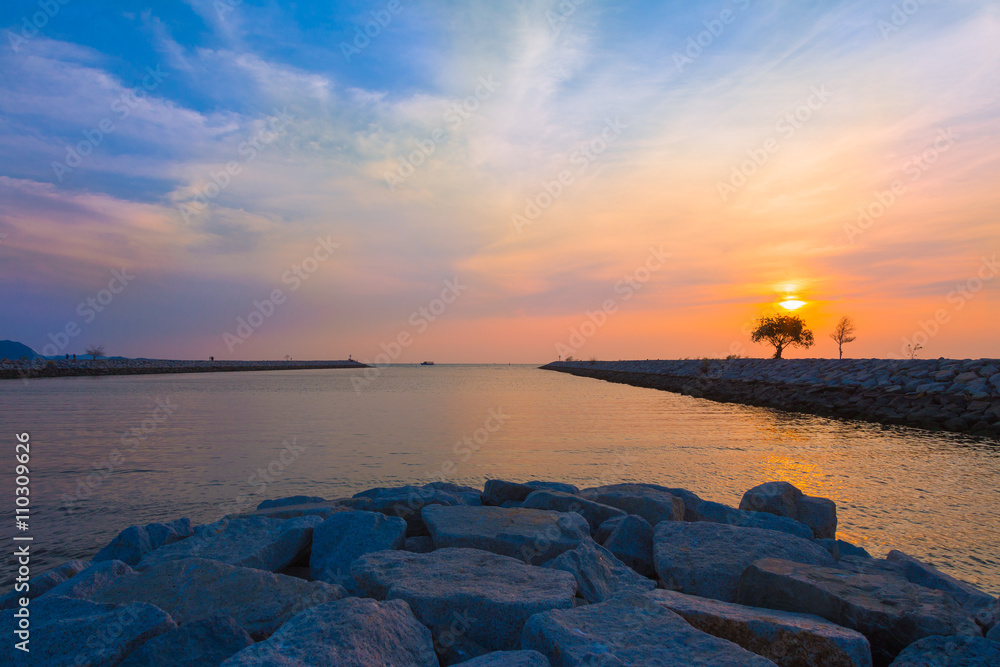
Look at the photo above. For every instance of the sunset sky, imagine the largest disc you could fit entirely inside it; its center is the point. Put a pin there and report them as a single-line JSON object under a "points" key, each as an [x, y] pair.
{"points": [[508, 167]]}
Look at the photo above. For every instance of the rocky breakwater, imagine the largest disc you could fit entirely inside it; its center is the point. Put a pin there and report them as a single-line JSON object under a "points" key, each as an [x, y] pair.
{"points": [[531, 574], [939, 394], [42, 368]]}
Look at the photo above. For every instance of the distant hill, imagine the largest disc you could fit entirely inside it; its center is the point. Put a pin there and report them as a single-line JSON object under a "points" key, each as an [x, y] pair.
{"points": [[13, 350]]}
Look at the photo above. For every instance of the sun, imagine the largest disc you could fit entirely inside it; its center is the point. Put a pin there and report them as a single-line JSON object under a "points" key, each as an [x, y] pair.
{"points": [[791, 303]]}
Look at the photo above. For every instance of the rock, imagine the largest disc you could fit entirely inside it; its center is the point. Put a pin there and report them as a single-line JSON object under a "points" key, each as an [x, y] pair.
{"points": [[707, 559], [130, 545], [258, 542], [508, 659], [938, 651], [631, 630], [473, 601], [407, 502], [419, 545], [719, 513], [981, 606], [632, 543], [554, 486], [783, 499], [349, 633], [604, 531], [533, 536], [194, 589], [891, 612], [651, 504], [820, 514], [292, 500], [798, 640], [498, 491], [594, 513], [839, 548], [66, 631], [599, 575], [205, 643], [341, 539], [43, 583], [324, 509]]}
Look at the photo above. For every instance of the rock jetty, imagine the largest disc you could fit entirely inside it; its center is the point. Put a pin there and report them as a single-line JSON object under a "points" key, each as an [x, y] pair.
{"points": [[939, 394], [42, 368], [534, 574]]}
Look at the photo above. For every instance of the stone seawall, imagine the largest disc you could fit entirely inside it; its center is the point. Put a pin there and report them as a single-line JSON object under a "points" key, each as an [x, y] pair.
{"points": [[939, 394], [12, 370]]}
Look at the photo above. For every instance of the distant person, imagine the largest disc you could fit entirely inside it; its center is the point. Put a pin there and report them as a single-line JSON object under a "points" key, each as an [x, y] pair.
{"points": [[74, 357], [67, 357], [211, 358]]}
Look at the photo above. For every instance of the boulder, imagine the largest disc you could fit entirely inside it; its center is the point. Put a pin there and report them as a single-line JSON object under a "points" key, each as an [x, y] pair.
{"points": [[719, 513], [194, 589], [938, 651], [473, 601], [599, 575], [350, 633], [788, 639], [419, 545], [594, 513], [322, 509], [891, 612], [406, 502], [43, 583], [498, 491], [553, 486], [631, 542], [341, 539], [981, 606], [533, 536], [707, 559], [258, 542], [651, 504], [604, 531], [205, 643], [508, 659], [630, 630], [130, 545], [839, 548], [292, 500], [783, 499], [67, 631]]}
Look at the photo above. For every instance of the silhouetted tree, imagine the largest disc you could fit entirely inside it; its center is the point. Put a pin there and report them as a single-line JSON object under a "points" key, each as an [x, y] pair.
{"points": [[842, 333], [782, 331], [95, 351]]}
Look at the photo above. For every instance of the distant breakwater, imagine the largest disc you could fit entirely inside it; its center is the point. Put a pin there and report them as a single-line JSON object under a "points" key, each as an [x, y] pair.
{"points": [[40, 368], [938, 394]]}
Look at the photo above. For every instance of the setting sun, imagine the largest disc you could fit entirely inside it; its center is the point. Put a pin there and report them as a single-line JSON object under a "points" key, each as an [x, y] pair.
{"points": [[791, 303]]}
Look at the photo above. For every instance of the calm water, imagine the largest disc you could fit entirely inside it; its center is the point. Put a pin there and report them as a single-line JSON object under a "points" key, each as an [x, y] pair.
{"points": [[936, 496]]}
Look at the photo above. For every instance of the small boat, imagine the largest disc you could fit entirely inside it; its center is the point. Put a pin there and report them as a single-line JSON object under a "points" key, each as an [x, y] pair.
{"points": [[426, 363]]}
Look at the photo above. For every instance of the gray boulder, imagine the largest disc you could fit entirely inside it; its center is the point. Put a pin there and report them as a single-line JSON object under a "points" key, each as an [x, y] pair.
{"points": [[498, 491], [891, 612], [419, 545], [599, 575], [407, 502], [341, 539], [981, 606], [508, 659], [258, 542], [473, 601], [631, 630], [840, 549], [651, 504], [604, 531], [67, 631], [350, 633], [792, 640], [631, 542], [291, 500], [533, 536], [994, 633], [130, 545], [783, 499], [205, 643], [553, 486], [594, 513], [707, 559], [322, 509], [938, 651], [43, 583], [194, 589], [719, 513]]}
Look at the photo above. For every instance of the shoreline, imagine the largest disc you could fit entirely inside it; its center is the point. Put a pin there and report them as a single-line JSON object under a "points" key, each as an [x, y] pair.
{"points": [[13, 370], [960, 396]]}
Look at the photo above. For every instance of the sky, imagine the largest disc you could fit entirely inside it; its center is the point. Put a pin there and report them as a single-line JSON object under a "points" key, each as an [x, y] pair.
{"points": [[498, 181]]}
